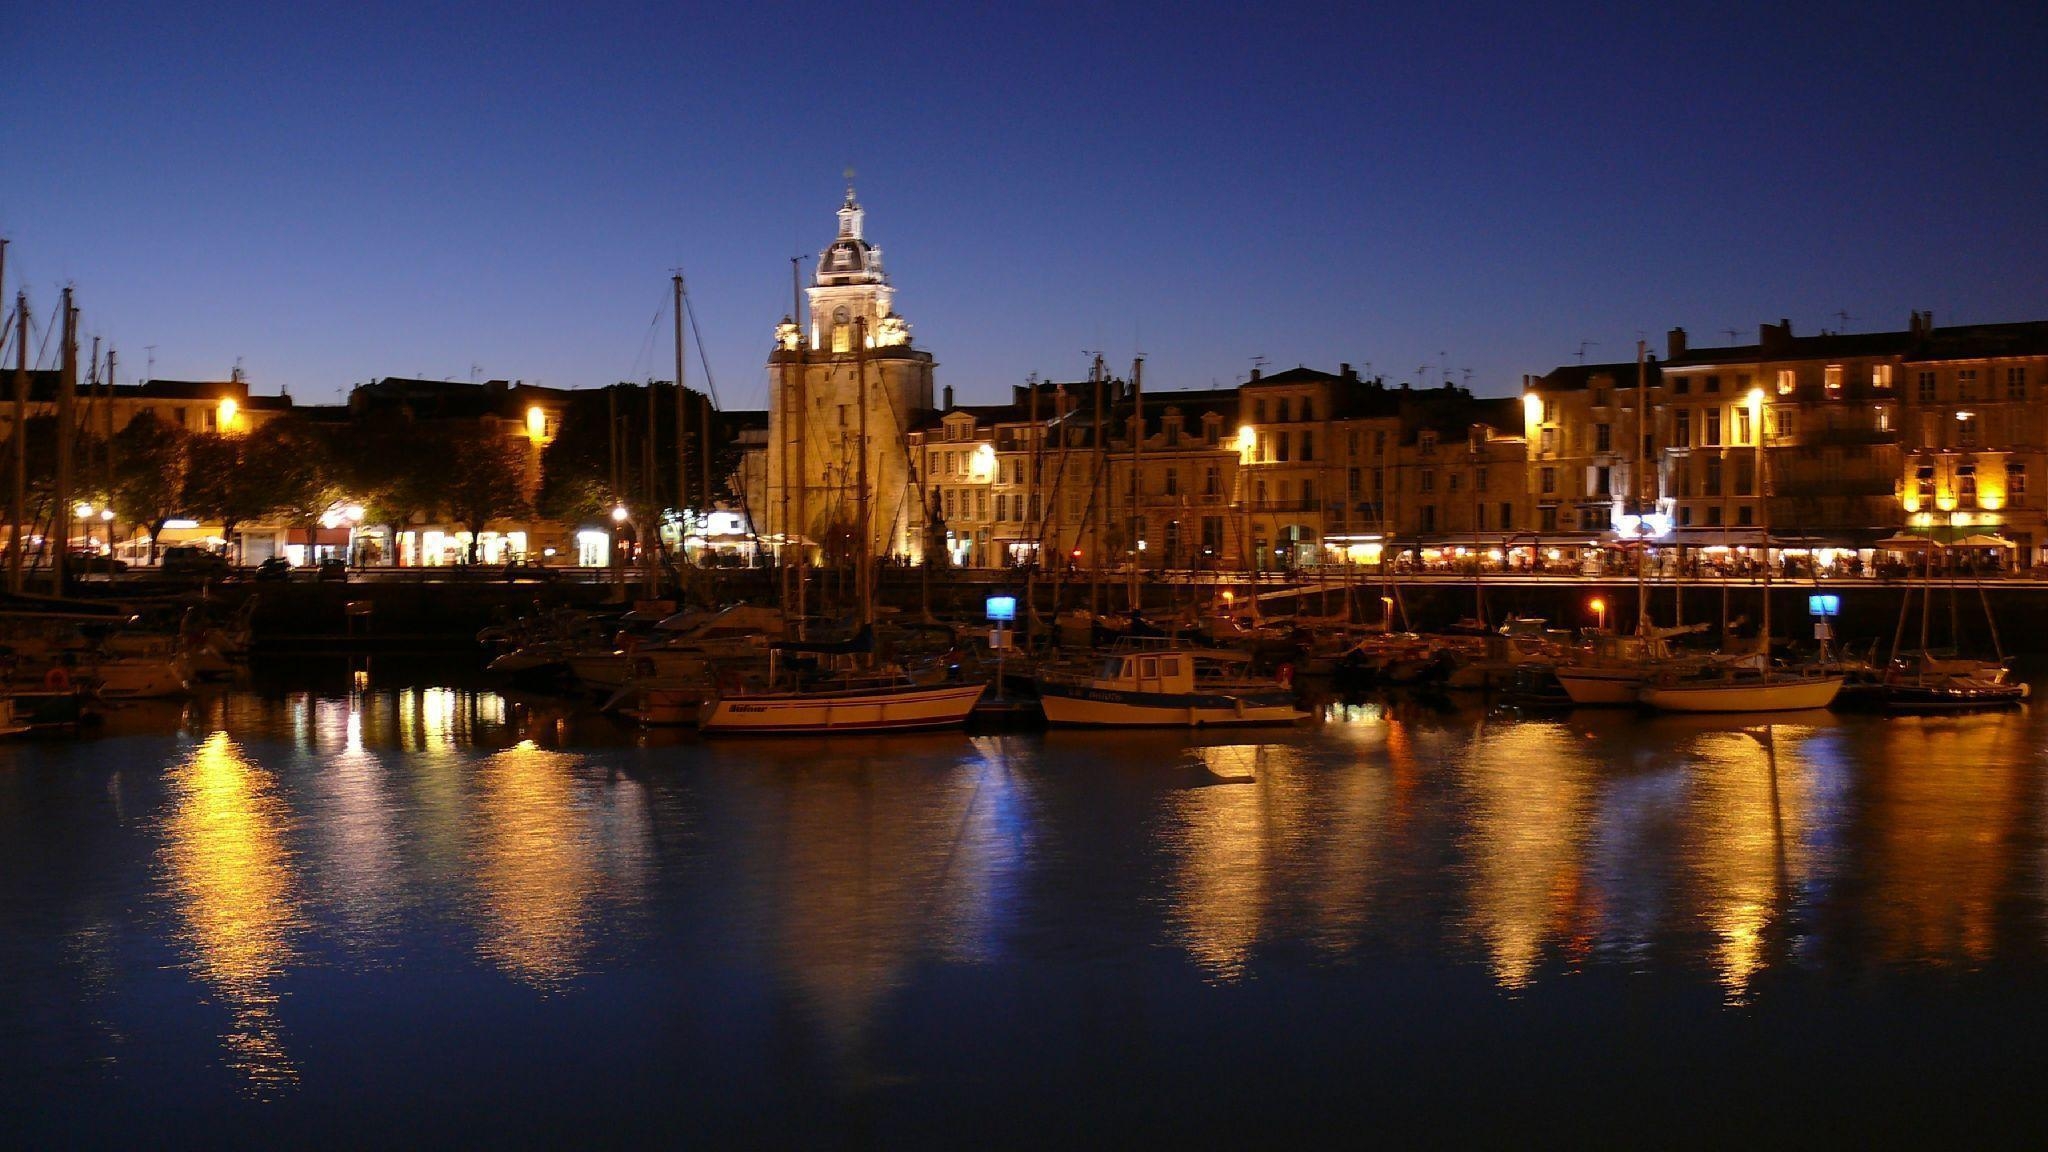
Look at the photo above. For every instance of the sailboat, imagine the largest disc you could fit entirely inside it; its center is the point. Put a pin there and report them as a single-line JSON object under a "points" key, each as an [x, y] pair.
{"points": [[1929, 681], [847, 693], [1735, 689]]}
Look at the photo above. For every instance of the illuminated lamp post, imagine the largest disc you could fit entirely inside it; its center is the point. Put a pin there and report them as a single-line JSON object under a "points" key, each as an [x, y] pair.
{"points": [[1599, 608], [620, 518]]}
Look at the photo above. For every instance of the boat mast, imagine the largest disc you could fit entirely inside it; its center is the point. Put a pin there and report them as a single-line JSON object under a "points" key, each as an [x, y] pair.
{"points": [[1134, 592], [1763, 509], [1095, 495], [682, 410], [67, 383], [1635, 491], [20, 509], [802, 400], [865, 579]]}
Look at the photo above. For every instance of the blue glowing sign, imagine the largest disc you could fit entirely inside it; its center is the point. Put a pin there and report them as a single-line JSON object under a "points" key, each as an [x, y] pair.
{"points": [[1002, 607], [1828, 604]]}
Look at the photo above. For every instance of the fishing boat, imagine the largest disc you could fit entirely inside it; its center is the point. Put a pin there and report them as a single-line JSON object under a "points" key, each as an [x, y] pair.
{"points": [[1165, 686], [882, 702]]}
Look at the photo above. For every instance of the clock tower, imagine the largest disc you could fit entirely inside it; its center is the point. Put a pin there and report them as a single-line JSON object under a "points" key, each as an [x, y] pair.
{"points": [[852, 351]]}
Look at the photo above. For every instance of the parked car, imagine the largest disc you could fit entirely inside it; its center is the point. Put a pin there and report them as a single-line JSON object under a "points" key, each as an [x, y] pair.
{"points": [[332, 568], [275, 568], [192, 560], [527, 570], [80, 560]]}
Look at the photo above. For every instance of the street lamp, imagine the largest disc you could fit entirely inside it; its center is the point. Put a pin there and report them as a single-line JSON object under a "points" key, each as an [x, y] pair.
{"points": [[1599, 607]]}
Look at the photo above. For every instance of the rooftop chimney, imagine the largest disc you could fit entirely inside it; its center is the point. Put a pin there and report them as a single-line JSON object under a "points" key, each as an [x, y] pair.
{"points": [[1773, 338], [1674, 343], [946, 399], [1923, 323], [1349, 373], [1255, 375]]}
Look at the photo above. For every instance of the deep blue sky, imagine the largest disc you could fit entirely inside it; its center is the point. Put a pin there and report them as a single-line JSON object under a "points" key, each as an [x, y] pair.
{"points": [[418, 189]]}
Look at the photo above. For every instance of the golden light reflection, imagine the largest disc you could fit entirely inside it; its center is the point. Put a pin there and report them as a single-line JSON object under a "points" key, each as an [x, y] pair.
{"points": [[1945, 802], [536, 869], [1750, 803], [1532, 795], [230, 876], [1224, 836]]}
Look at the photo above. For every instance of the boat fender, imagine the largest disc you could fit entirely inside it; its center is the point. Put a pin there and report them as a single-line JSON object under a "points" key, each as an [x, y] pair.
{"points": [[1285, 675]]}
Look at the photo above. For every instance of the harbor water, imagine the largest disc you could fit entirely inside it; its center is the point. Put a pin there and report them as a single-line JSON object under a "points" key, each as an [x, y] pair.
{"points": [[356, 905]]}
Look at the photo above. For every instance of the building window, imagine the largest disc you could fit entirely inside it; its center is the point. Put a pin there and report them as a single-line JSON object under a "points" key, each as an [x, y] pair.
{"points": [[2016, 484], [1745, 516], [1259, 490], [1923, 481], [1710, 429], [1966, 384], [1742, 428], [1259, 410], [1308, 407], [1425, 520], [1427, 442], [1429, 480], [1603, 438], [1547, 441], [1602, 481], [1681, 428], [1546, 518], [1212, 481], [1926, 386], [2016, 383], [1713, 515], [1308, 492], [1788, 381], [1831, 377], [1685, 515], [1549, 481], [1745, 477], [1173, 481], [1712, 485], [1455, 481], [1966, 485], [1280, 445], [1713, 384], [1880, 376], [1379, 443], [1681, 385], [1286, 408], [1883, 418], [1308, 444], [1966, 429], [1507, 516], [1479, 479]]}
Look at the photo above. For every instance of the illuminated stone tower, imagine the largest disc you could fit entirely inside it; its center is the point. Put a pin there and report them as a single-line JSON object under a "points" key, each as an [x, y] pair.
{"points": [[814, 412]]}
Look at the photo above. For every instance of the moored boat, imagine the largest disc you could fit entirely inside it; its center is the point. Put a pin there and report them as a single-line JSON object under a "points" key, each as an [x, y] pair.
{"points": [[1163, 686], [855, 704], [1737, 692]]}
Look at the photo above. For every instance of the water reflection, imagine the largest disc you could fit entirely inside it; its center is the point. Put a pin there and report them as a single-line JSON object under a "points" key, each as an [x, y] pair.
{"points": [[535, 868], [230, 878], [1531, 793], [1945, 801], [1746, 815]]}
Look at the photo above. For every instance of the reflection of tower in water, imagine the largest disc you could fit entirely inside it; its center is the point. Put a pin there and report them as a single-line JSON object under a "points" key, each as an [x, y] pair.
{"points": [[878, 866], [230, 878], [1531, 795]]}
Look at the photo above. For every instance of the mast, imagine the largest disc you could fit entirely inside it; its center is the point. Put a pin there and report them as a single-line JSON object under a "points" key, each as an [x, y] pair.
{"points": [[1135, 590], [1763, 510], [1635, 490], [1095, 496], [1032, 510], [683, 433], [107, 439], [67, 383], [865, 578], [803, 478], [19, 512]]}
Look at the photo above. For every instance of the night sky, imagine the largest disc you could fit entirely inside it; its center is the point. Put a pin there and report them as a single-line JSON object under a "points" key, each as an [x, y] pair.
{"points": [[419, 190]]}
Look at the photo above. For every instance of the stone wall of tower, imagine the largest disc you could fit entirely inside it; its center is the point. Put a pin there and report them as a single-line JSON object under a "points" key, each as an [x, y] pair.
{"points": [[824, 452]]}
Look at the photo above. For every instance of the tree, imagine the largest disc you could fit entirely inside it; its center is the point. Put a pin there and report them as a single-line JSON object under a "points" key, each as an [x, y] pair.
{"points": [[151, 458], [395, 468], [293, 471], [219, 485], [487, 479]]}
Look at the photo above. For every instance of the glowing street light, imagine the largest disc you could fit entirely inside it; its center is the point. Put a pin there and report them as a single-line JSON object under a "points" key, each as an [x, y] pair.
{"points": [[1599, 606], [618, 513]]}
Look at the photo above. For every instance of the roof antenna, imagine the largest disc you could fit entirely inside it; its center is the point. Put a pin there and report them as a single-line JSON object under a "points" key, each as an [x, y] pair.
{"points": [[149, 372], [1732, 333], [1259, 365], [1844, 317], [1585, 344]]}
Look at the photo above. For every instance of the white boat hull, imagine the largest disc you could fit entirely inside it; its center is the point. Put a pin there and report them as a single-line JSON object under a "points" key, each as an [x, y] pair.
{"points": [[142, 678], [1788, 695], [852, 711]]}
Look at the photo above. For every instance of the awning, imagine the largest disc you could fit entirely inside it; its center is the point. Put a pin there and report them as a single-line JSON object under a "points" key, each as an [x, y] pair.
{"points": [[1901, 544], [1982, 540]]}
